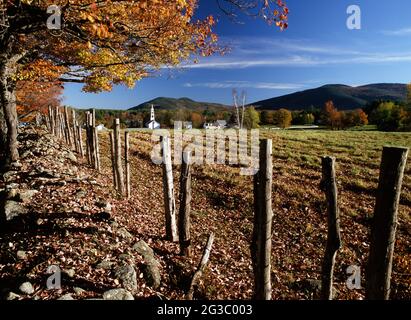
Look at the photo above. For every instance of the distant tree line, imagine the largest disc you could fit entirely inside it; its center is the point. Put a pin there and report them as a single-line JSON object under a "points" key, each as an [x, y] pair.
{"points": [[385, 115]]}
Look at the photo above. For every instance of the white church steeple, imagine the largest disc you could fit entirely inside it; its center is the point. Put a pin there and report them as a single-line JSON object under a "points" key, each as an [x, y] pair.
{"points": [[152, 117]]}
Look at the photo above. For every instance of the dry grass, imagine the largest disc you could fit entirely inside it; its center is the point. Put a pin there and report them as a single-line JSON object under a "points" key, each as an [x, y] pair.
{"points": [[222, 203]]}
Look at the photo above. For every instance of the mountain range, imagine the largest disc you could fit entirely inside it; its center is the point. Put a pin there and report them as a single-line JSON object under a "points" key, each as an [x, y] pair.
{"points": [[344, 98], [163, 103]]}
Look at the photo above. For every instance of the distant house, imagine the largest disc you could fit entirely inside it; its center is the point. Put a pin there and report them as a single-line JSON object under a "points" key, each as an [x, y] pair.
{"points": [[153, 124], [219, 124], [187, 125], [209, 125], [101, 127]]}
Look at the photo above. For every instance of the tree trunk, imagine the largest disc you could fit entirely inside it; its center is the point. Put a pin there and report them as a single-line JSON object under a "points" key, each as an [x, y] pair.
{"points": [[185, 206], [384, 225], [333, 239], [261, 240], [8, 103], [3, 135]]}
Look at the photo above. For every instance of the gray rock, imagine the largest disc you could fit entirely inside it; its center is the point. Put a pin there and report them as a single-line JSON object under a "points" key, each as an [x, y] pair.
{"points": [[26, 154], [11, 186], [22, 255], [12, 296], [12, 194], [108, 208], [114, 224], [143, 249], [66, 297], [26, 195], [27, 288], [80, 194], [311, 284], [71, 156], [122, 232], [105, 264], [125, 256], [16, 165], [70, 272], [10, 176], [13, 209], [78, 290], [152, 267], [127, 275], [117, 294], [152, 273]]}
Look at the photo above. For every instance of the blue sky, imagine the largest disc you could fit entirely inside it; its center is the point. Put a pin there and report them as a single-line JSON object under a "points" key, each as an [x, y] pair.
{"points": [[316, 49]]}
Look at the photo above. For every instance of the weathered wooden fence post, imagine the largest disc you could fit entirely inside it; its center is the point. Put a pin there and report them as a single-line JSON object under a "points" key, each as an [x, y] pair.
{"points": [[201, 267], [127, 160], [113, 159], [61, 121], [57, 119], [96, 146], [75, 132], [185, 205], [168, 187], [51, 120], [329, 186], [118, 162], [67, 127], [80, 139], [261, 240], [384, 224], [89, 140]]}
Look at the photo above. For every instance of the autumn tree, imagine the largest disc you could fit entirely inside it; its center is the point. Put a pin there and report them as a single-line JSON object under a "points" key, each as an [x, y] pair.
{"points": [[354, 118], [98, 44], [388, 116], [251, 118], [267, 117], [302, 118], [196, 119], [407, 117], [103, 42], [282, 118], [272, 11], [332, 117], [37, 96]]}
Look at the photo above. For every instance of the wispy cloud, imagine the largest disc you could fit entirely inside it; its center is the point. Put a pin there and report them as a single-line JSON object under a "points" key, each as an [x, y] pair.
{"points": [[245, 84], [399, 32], [244, 62], [298, 61]]}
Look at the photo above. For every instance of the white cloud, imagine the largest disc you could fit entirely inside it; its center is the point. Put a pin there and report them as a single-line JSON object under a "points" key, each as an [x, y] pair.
{"points": [[245, 84], [399, 32], [266, 52], [298, 61], [243, 62]]}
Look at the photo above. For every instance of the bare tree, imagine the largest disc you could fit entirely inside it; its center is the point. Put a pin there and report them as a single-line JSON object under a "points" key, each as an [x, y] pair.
{"points": [[237, 100]]}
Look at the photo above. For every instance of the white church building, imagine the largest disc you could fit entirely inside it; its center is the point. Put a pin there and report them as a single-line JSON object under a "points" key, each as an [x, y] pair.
{"points": [[153, 124]]}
